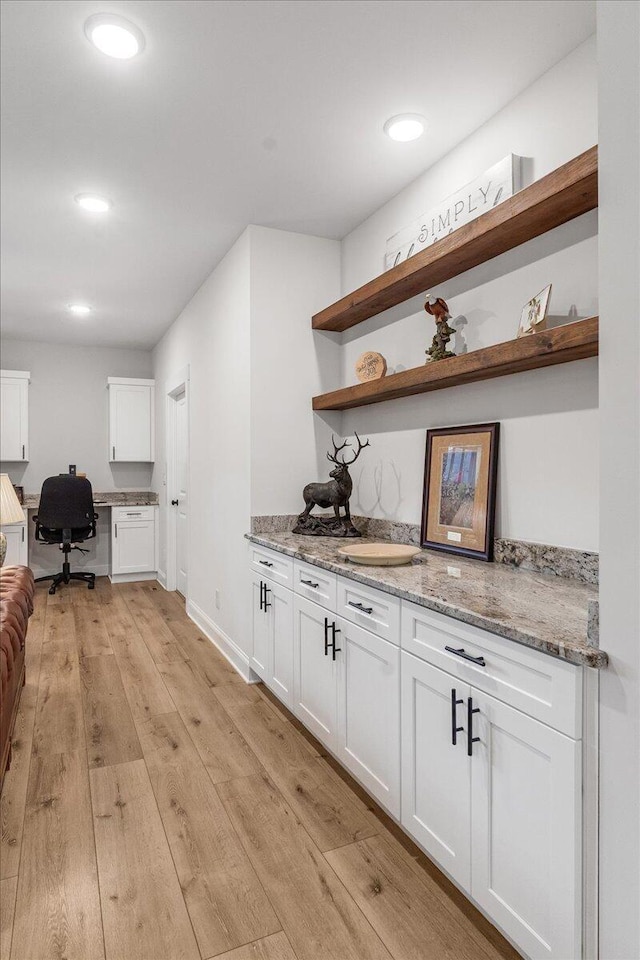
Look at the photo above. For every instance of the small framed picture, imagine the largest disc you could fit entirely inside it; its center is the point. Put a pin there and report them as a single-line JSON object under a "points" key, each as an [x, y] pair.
{"points": [[461, 467], [534, 313]]}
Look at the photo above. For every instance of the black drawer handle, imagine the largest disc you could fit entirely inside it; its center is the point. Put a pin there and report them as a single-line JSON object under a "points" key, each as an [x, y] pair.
{"points": [[466, 656], [310, 583], [359, 607], [265, 563]]}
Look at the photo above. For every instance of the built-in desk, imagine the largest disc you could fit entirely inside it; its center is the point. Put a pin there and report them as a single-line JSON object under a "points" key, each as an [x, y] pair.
{"points": [[125, 547]]}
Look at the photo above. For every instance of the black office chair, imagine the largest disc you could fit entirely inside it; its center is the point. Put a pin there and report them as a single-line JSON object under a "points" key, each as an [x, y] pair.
{"points": [[66, 517]]}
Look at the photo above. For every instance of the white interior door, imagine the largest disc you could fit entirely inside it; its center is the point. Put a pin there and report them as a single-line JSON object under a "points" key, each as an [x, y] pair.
{"points": [[181, 474]]}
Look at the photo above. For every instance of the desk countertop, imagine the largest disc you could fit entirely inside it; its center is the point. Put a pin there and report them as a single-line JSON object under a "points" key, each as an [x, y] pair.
{"points": [[131, 498]]}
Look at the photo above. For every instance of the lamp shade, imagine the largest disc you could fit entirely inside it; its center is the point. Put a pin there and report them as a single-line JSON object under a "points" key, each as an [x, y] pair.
{"points": [[10, 509]]}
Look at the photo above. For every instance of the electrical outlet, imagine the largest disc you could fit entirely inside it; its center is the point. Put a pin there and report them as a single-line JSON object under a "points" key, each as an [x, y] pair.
{"points": [[217, 599]]}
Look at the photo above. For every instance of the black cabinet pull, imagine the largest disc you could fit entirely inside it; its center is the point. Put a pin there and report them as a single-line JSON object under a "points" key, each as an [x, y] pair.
{"points": [[266, 603], [470, 737], [310, 583], [265, 563], [326, 636], [174, 503], [335, 649], [455, 729], [359, 607], [466, 656], [261, 589]]}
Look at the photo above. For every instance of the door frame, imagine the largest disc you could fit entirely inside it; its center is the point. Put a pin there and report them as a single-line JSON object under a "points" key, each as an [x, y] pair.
{"points": [[175, 386]]}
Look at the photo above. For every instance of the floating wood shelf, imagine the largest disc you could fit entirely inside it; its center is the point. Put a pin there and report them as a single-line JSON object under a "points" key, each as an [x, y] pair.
{"points": [[567, 192], [573, 341]]}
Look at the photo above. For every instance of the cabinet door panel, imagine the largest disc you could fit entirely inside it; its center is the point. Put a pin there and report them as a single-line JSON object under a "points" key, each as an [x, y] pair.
{"points": [[130, 410], [14, 419], [526, 829], [260, 657], [133, 545], [315, 672], [281, 670], [435, 773], [16, 545], [369, 712]]}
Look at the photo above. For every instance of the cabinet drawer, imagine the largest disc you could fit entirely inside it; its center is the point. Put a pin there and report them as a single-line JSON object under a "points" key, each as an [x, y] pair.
{"points": [[315, 584], [376, 611], [541, 686], [272, 565], [121, 514]]}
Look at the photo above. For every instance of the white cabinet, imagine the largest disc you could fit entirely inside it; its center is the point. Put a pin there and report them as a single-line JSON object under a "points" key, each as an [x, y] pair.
{"points": [[272, 655], [526, 829], [435, 766], [494, 797], [131, 420], [315, 669], [14, 415], [369, 712], [17, 547], [133, 543], [472, 741]]}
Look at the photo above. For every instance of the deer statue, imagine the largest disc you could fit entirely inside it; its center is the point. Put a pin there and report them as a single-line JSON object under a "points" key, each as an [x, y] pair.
{"points": [[335, 493]]}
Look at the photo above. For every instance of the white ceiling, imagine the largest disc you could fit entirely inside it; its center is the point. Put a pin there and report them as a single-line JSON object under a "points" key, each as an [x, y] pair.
{"points": [[237, 112]]}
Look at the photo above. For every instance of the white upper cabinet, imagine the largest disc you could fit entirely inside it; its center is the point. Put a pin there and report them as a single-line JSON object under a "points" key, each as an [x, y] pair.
{"points": [[131, 420], [14, 415]]}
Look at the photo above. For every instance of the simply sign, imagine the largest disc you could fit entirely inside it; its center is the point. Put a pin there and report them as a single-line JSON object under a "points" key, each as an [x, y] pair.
{"points": [[487, 191]]}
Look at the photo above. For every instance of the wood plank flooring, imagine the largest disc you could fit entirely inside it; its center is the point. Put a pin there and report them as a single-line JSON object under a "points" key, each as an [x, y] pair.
{"points": [[158, 808]]}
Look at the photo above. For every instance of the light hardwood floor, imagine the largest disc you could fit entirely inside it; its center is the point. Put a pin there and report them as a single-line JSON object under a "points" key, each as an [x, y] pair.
{"points": [[158, 808]]}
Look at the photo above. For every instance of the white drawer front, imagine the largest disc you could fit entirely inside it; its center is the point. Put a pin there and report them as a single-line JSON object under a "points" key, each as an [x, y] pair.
{"points": [[541, 686], [376, 611], [314, 583], [120, 514], [272, 565]]}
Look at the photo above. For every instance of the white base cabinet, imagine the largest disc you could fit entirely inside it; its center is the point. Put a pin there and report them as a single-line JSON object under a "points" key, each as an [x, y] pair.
{"points": [[470, 741], [369, 712], [526, 829], [133, 543], [315, 670], [17, 547], [272, 655]]}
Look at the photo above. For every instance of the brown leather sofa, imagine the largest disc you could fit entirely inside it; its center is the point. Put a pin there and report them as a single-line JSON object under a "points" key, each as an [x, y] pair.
{"points": [[16, 606]]}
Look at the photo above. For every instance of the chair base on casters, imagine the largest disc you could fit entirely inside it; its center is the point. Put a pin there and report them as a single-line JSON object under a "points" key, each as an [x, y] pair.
{"points": [[66, 576]]}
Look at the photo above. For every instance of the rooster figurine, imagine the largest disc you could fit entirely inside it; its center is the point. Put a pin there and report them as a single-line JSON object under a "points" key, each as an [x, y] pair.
{"points": [[437, 308]]}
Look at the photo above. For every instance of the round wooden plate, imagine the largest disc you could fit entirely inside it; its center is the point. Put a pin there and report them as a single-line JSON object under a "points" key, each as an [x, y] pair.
{"points": [[380, 554]]}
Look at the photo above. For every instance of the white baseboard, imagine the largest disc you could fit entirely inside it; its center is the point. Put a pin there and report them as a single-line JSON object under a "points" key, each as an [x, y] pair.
{"points": [[131, 577], [230, 650], [162, 579]]}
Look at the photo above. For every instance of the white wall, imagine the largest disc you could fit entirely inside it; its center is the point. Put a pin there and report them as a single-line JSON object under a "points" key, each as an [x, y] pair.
{"points": [[548, 489], [211, 336], [69, 412], [619, 82], [246, 337], [292, 277], [69, 423]]}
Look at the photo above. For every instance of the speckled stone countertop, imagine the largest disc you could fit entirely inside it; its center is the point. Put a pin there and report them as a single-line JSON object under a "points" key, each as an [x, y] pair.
{"points": [[544, 612], [133, 498]]}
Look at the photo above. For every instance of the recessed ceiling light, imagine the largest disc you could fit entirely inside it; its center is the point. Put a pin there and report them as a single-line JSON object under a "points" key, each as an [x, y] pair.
{"points": [[89, 201], [114, 35], [405, 127], [79, 309]]}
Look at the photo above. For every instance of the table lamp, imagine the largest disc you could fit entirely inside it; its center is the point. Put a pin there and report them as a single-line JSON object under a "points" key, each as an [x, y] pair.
{"points": [[10, 510]]}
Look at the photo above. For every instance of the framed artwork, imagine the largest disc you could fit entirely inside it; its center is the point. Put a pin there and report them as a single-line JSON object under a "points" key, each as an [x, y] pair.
{"points": [[458, 512], [534, 313]]}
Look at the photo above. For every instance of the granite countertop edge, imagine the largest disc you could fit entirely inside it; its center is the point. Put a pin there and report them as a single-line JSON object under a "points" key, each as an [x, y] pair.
{"points": [[110, 498], [572, 652]]}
